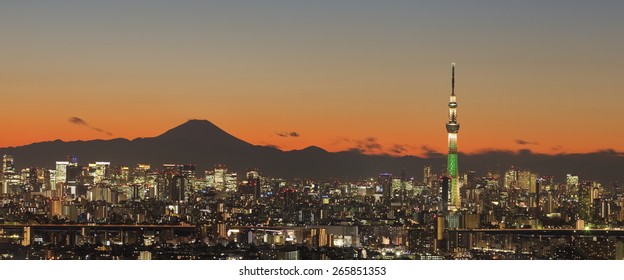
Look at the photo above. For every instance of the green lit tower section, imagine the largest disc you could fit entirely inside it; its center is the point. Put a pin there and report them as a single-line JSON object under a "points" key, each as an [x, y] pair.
{"points": [[452, 127]]}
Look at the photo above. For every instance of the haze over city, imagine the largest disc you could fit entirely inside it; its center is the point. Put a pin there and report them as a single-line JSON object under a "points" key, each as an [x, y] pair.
{"points": [[338, 75]]}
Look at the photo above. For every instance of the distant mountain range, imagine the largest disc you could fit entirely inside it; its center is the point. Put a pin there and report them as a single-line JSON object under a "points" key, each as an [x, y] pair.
{"points": [[204, 144]]}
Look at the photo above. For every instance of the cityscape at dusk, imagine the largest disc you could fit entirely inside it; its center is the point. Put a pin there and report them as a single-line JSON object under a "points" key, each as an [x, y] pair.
{"points": [[300, 130]]}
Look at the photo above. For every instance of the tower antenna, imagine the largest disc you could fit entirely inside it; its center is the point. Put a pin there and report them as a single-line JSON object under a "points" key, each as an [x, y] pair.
{"points": [[453, 78]]}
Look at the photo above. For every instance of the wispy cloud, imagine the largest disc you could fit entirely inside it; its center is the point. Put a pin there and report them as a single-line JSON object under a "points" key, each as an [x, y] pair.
{"points": [[397, 149], [287, 134], [525, 142], [78, 121], [430, 152], [366, 145], [82, 122]]}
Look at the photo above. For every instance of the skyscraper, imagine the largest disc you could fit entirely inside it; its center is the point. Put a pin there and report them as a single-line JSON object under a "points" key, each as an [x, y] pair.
{"points": [[427, 174], [8, 170], [8, 165], [585, 200], [385, 183], [61, 174], [452, 127], [444, 194]]}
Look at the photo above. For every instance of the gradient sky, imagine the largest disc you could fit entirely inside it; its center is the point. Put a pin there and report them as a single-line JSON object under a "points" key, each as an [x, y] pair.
{"points": [[539, 75]]}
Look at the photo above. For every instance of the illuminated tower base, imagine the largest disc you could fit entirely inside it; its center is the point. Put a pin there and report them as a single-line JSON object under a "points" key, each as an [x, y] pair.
{"points": [[453, 173]]}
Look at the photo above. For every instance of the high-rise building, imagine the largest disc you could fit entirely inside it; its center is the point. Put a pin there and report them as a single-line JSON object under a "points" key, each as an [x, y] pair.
{"points": [[510, 181], [444, 195], [139, 174], [177, 188], [471, 179], [403, 186], [452, 128], [99, 171], [427, 174], [585, 200], [538, 207], [231, 181], [8, 170], [219, 176], [73, 176], [572, 182], [8, 166], [253, 183], [384, 183], [60, 176]]}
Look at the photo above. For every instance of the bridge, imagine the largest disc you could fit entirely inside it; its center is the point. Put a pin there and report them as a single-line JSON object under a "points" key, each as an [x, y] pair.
{"points": [[71, 233], [130, 227], [545, 232]]}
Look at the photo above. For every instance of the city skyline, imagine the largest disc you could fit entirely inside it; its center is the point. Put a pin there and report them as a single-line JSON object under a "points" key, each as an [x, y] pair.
{"points": [[299, 130], [101, 210], [338, 76]]}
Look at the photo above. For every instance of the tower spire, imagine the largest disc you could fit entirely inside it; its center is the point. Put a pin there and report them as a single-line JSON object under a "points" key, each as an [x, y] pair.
{"points": [[453, 78]]}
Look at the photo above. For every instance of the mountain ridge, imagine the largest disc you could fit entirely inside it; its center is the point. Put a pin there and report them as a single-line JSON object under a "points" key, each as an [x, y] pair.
{"points": [[204, 144]]}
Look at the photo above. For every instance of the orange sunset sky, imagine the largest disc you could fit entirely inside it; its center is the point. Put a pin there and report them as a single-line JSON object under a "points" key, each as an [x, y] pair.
{"points": [[531, 75]]}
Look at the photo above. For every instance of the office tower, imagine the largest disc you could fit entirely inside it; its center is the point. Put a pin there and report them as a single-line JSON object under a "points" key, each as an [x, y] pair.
{"points": [[60, 176], [139, 175], [99, 171], [188, 171], [452, 128], [526, 180], [72, 179], [511, 179], [427, 174], [8, 170], [169, 171], [444, 195], [177, 188], [253, 183], [219, 176], [30, 176], [585, 200], [572, 182], [8, 166], [124, 174], [231, 181], [403, 183], [538, 207], [471, 179], [385, 183]]}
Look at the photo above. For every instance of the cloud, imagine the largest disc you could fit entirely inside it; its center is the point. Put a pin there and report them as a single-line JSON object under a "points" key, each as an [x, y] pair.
{"points": [[430, 152], [340, 140], [525, 142], [369, 144], [102, 130], [397, 149], [287, 134], [366, 145], [79, 121]]}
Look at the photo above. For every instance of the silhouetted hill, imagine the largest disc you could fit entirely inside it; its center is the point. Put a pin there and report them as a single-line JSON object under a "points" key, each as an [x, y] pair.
{"points": [[204, 144], [201, 132]]}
